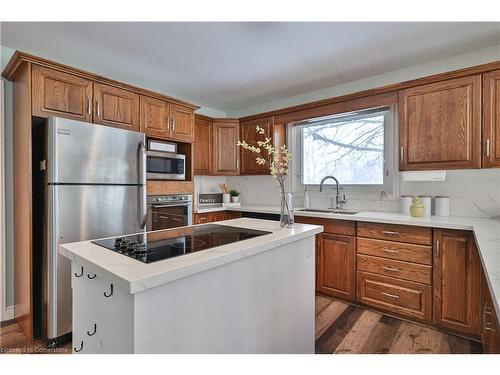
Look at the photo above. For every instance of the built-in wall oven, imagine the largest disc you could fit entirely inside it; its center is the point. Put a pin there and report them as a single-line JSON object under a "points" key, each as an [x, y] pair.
{"points": [[169, 211], [163, 161]]}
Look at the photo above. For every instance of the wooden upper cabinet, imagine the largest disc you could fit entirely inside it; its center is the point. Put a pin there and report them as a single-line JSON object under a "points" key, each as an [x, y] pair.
{"points": [[116, 107], [456, 281], [440, 125], [336, 265], [155, 120], [61, 94], [491, 119], [225, 151], [248, 133], [181, 123], [202, 146]]}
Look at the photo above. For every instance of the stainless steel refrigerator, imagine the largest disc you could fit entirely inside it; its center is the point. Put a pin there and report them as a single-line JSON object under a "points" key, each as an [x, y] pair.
{"points": [[94, 185]]}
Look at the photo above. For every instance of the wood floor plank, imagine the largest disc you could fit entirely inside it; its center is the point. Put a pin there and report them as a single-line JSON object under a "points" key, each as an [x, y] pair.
{"points": [[355, 340], [336, 332], [416, 339], [382, 336], [328, 316], [321, 304]]}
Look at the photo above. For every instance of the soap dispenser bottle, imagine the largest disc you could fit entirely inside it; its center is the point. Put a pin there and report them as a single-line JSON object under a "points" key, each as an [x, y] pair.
{"points": [[306, 198]]}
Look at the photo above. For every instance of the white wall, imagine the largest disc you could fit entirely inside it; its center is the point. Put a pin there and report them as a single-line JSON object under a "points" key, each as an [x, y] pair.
{"points": [[477, 57]]}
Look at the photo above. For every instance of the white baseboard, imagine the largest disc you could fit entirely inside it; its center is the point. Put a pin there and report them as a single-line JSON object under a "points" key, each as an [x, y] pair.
{"points": [[9, 313]]}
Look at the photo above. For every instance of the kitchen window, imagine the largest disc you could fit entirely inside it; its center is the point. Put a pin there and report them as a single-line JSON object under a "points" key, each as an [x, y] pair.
{"points": [[356, 147]]}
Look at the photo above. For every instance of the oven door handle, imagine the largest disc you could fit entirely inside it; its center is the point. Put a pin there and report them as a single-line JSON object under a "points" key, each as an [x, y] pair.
{"points": [[169, 205]]}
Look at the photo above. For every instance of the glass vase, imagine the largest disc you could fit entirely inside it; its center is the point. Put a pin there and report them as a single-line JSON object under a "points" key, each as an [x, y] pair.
{"points": [[286, 216]]}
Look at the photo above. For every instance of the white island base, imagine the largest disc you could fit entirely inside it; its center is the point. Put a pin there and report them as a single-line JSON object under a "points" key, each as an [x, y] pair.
{"points": [[260, 303]]}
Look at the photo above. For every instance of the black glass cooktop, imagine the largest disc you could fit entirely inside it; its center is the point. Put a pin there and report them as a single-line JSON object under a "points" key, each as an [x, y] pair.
{"points": [[159, 245]]}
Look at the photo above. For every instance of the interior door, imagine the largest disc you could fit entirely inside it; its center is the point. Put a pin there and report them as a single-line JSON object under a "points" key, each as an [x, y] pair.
{"points": [[116, 107]]}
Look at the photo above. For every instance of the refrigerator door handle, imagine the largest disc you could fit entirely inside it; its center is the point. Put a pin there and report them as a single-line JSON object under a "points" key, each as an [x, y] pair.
{"points": [[142, 175]]}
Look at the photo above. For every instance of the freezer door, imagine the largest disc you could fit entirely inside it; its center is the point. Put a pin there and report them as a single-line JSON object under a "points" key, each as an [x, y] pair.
{"points": [[78, 213], [83, 153]]}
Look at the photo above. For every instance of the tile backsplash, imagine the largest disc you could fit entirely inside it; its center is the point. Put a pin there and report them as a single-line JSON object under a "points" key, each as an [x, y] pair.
{"points": [[472, 192]]}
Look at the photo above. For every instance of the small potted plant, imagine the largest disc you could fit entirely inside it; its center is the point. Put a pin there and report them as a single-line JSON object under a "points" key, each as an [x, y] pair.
{"points": [[235, 196]]}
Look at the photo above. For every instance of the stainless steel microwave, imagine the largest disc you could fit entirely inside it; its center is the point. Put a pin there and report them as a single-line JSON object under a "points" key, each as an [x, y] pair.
{"points": [[163, 162]]}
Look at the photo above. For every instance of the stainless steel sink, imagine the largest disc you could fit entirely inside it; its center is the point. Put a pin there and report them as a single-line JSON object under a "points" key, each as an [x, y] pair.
{"points": [[333, 211]]}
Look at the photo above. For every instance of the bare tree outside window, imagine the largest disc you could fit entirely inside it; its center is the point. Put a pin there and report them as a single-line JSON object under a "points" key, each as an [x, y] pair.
{"points": [[349, 148]]}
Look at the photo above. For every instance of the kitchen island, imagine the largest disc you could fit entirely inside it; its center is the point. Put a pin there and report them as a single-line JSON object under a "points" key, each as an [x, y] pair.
{"points": [[251, 296]]}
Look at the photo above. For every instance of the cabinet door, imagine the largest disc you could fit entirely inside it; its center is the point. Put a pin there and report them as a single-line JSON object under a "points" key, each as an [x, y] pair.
{"points": [[491, 120], [490, 333], [336, 266], [440, 125], [248, 133], [202, 218], [116, 107], [155, 117], [181, 123], [456, 281], [226, 153], [202, 146], [60, 94]]}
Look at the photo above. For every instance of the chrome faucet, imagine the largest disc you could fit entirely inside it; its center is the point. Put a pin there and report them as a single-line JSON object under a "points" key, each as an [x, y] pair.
{"points": [[339, 200]]}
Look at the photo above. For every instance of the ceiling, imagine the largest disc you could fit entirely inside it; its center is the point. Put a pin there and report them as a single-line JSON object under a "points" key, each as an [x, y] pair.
{"points": [[233, 66]]}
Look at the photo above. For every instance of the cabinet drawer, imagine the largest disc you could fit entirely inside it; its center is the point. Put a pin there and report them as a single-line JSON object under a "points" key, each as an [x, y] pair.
{"points": [[396, 250], [395, 268], [397, 296], [333, 226], [392, 232]]}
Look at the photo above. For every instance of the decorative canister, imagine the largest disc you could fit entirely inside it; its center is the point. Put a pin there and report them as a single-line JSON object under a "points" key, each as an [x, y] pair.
{"points": [[406, 201], [442, 205], [417, 209], [427, 202], [226, 198]]}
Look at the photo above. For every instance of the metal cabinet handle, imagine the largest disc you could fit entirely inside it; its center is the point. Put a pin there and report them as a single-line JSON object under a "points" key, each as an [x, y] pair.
{"points": [[390, 251], [391, 269], [390, 233], [173, 124], [89, 106], [401, 153], [98, 111], [81, 348], [438, 250], [167, 122], [488, 147], [390, 295]]}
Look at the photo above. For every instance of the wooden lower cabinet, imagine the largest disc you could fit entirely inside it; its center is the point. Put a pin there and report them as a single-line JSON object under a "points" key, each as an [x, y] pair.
{"points": [[456, 282], [336, 265], [402, 297], [208, 217], [490, 331]]}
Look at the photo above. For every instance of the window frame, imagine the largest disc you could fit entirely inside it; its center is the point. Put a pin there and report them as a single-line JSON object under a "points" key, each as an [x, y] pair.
{"points": [[389, 186]]}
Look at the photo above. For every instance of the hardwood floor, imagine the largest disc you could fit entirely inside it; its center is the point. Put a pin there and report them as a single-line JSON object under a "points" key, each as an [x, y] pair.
{"points": [[347, 329], [340, 328], [13, 341]]}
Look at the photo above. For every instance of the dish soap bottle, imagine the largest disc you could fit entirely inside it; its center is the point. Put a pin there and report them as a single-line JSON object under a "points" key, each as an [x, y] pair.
{"points": [[306, 198]]}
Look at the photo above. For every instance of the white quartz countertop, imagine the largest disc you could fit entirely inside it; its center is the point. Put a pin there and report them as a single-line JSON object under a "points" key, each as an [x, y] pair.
{"points": [[135, 276], [486, 233]]}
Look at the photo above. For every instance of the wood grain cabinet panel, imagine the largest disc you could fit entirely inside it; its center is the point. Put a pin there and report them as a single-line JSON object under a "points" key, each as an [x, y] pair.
{"points": [[413, 300], [393, 232], [181, 123], [456, 281], [336, 266], [333, 226], [491, 119], [490, 333], [203, 140], [61, 94], [440, 125], [155, 120], [116, 107], [226, 153]]}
